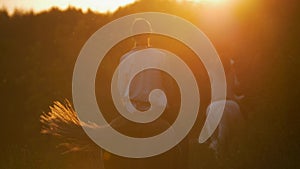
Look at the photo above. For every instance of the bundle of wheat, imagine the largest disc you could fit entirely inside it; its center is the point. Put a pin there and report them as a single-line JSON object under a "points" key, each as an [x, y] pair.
{"points": [[62, 122]]}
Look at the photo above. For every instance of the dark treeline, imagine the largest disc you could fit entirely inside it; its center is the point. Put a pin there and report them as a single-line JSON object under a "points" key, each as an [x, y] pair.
{"points": [[38, 53]]}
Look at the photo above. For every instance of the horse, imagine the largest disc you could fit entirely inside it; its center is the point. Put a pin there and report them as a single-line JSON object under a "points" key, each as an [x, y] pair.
{"points": [[225, 142]]}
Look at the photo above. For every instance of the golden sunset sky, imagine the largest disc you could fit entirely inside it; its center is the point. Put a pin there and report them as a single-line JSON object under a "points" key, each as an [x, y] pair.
{"points": [[95, 5], [40, 5]]}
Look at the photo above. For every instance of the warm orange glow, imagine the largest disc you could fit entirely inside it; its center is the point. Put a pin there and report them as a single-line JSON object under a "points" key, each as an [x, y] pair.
{"points": [[40, 5], [208, 1], [212, 1]]}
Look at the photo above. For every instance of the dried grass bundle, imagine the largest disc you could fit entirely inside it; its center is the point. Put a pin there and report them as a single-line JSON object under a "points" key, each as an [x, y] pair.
{"points": [[62, 122]]}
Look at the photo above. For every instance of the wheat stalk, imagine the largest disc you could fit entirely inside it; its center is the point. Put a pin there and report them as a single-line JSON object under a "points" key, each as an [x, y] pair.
{"points": [[62, 122]]}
